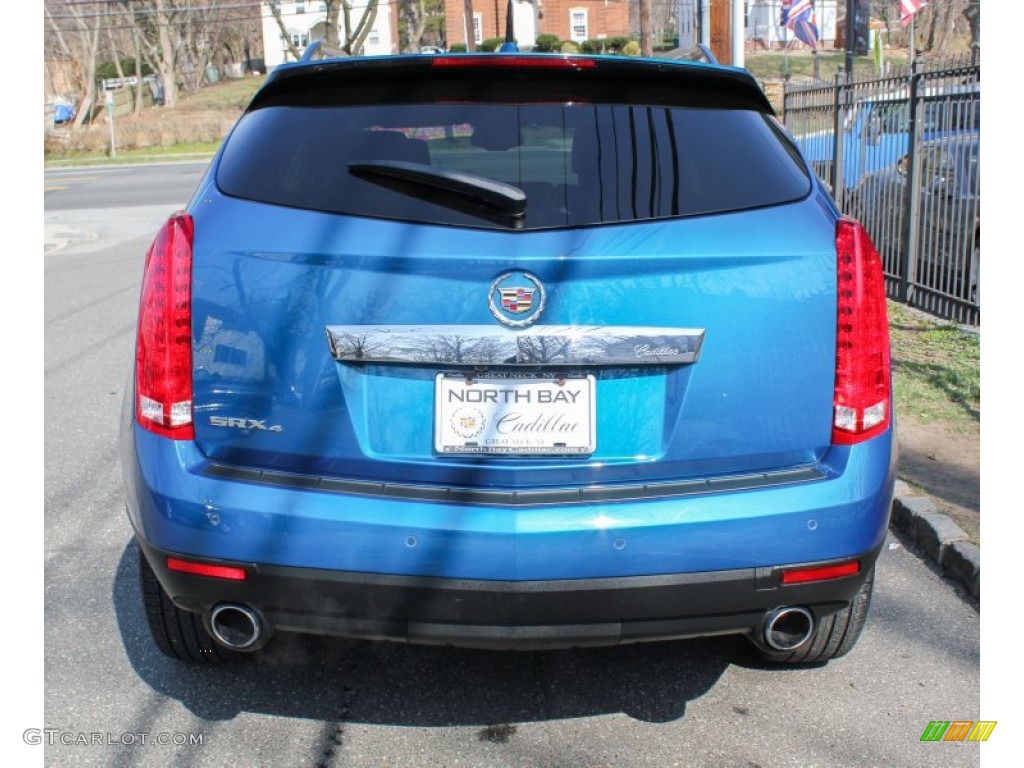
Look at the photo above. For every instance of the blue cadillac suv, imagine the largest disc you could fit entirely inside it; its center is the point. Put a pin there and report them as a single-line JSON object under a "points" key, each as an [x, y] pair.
{"points": [[509, 351]]}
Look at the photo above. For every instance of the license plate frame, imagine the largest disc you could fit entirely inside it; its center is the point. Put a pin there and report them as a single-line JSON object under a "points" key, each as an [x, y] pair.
{"points": [[510, 415]]}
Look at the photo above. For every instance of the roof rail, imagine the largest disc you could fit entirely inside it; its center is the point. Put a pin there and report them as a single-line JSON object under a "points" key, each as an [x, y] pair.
{"points": [[698, 52], [325, 50]]}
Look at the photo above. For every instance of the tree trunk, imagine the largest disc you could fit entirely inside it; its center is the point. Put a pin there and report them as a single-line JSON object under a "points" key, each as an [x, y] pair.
{"points": [[933, 24], [166, 59], [284, 32], [470, 37], [646, 45], [89, 67], [137, 108], [973, 15], [333, 8], [948, 26], [355, 45], [415, 14]]}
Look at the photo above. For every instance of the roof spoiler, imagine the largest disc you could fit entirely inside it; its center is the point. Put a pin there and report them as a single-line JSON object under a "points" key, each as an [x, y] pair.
{"points": [[325, 50]]}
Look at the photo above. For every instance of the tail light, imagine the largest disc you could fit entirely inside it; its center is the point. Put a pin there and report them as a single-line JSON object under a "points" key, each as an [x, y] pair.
{"points": [[163, 351], [862, 402]]}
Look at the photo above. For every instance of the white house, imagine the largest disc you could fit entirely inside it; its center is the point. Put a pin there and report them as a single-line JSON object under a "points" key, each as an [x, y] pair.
{"points": [[306, 21]]}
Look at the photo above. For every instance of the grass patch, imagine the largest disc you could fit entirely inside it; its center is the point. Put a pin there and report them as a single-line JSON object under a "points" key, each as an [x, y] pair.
{"points": [[769, 65], [191, 149], [227, 96], [936, 369]]}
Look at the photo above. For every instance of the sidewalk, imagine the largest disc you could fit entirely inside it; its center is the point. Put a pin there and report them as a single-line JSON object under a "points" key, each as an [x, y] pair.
{"points": [[937, 500]]}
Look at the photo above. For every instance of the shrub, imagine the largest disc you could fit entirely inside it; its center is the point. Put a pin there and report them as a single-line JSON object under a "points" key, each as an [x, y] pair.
{"points": [[457, 48], [632, 48], [569, 47], [490, 44], [604, 45], [546, 43]]}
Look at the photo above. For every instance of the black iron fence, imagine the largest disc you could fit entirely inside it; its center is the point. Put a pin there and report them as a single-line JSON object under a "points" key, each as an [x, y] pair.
{"points": [[900, 152]]}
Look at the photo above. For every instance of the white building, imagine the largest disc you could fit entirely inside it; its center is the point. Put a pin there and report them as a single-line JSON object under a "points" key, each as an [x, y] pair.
{"points": [[306, 21]]}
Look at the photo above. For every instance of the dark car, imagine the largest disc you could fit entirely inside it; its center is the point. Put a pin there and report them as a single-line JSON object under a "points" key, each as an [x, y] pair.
{"points": [[949, 212], [510, 351]]}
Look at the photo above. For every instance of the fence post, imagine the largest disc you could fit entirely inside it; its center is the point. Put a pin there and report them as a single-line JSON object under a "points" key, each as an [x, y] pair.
{"points": [[911, 194], [837, 143]]}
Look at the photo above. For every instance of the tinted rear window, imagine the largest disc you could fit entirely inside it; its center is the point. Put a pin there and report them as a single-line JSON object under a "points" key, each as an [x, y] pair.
{"points": [[578, 164]]}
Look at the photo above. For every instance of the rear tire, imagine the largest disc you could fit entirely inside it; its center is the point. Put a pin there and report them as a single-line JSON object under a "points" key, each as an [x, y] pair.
{"points": [[178, 633], [833, 636]]}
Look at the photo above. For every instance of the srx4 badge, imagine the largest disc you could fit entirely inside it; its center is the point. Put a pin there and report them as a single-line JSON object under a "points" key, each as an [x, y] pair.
{"points": [[225, 421]]}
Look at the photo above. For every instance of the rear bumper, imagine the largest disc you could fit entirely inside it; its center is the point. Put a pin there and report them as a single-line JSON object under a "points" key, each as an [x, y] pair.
{"points": [[506, 615], [177, 506], [531, 576]]}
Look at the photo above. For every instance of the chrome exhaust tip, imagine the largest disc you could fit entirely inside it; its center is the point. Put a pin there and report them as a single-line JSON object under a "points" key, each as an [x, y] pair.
{"points": [[786, 629], [237, 627]]}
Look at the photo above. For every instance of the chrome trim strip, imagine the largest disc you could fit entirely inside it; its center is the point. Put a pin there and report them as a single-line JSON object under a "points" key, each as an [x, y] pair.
{"points": [[535, 346], [524, 498]]}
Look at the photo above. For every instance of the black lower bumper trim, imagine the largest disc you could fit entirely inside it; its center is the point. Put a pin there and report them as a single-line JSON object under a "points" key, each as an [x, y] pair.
{"points": [[509, 615]]}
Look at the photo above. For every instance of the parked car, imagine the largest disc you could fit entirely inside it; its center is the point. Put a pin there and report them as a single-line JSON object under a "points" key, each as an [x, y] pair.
{"points": [[949, 239], [509, 351], [876, 130]]}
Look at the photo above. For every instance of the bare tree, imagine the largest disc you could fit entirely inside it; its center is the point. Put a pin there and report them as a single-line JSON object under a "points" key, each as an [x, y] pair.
{"points": [[77, 34], [275, 9], [356, 36], [415, 14], [973, 15]]}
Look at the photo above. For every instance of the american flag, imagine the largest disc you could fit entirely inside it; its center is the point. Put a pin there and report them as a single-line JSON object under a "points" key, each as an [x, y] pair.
{"points": [[798, 15], [909, 7]]}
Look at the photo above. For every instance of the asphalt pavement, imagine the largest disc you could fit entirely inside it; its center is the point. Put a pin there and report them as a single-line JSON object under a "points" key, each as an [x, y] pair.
{"points": [[308, 701]]}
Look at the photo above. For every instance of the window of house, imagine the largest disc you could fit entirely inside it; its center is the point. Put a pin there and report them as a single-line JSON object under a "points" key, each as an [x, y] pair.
{"points": [[300, 39], [578, 24], [373, 38], [300, 6], [478, 24]]}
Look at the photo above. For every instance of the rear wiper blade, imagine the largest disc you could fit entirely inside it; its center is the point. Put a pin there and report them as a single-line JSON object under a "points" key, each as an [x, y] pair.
{"points": [[474, 194]]}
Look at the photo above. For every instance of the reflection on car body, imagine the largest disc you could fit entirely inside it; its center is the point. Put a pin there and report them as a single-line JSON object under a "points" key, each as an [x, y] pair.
{"points": [[949, 246]]}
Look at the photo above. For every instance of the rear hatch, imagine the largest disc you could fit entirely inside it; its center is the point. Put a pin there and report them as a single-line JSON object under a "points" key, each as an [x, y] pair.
{"points": [[571, 280]]}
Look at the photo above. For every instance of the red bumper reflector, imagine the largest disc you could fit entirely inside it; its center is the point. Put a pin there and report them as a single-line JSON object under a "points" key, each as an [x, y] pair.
{"points": [[821, 574], [204, 569]]}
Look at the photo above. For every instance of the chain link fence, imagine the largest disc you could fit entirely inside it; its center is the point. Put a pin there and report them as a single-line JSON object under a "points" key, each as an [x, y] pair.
{"points": [[900, 153]]}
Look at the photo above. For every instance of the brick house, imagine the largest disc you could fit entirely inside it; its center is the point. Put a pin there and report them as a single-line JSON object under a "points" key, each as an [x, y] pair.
{"points": [[575, 20]]}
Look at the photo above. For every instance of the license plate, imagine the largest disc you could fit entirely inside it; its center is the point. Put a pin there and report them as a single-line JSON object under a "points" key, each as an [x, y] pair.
{"points": [[514, 416]]}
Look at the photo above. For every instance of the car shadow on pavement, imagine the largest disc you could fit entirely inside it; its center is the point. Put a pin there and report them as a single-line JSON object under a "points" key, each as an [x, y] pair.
{"points": [[331, 679]]}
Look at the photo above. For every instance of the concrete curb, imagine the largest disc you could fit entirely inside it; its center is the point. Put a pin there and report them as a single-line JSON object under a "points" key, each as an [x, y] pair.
{"points": [[939, 537]]}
